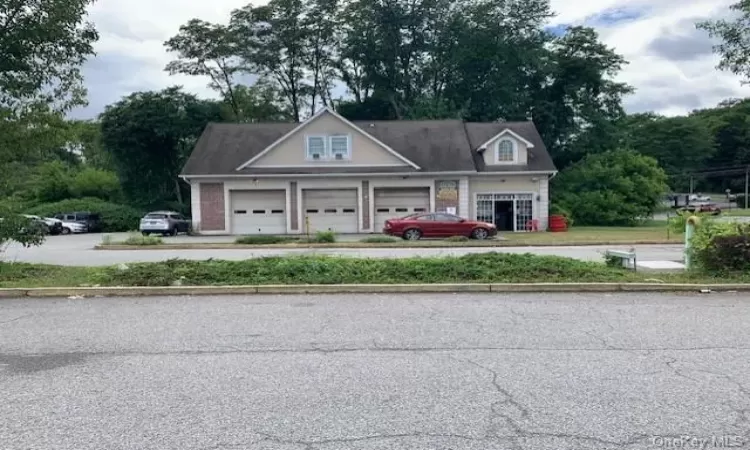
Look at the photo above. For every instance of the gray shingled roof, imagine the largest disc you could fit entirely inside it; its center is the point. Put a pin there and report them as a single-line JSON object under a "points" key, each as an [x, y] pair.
{"points": [[434, 145]]}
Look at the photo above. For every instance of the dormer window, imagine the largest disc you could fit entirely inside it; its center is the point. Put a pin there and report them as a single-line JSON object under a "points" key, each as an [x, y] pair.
{"points": [[505, 152], [333, 147], [340, 148], [316, 147]]}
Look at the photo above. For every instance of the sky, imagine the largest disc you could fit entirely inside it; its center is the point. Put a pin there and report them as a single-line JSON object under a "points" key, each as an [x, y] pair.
{"points": [[672, 66]]}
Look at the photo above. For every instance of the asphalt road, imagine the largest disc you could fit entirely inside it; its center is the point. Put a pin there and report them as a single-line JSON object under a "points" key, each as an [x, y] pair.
{"points": [[376, 372], [78, 251]]}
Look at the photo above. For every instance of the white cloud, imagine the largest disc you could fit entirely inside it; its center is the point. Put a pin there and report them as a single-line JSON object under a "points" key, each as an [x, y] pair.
{"points": [[656, 37]]}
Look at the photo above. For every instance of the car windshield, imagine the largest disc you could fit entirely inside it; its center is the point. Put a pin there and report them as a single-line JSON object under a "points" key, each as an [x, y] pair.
{"points": [[156, 216]]}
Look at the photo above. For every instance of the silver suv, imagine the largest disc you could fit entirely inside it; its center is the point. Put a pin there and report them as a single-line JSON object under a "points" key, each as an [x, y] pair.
{"points": [[165, 223]]}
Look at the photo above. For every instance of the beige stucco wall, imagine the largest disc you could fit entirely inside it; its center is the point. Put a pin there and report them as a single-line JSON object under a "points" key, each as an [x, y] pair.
{"points": [[489, 153], [292, 152]]}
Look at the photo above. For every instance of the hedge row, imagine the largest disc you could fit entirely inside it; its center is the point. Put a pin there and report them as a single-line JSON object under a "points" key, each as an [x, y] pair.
{"points": [[115, 217]]}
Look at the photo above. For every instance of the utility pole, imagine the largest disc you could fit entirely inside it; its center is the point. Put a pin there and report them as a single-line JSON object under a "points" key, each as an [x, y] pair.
{"points": [[747, 178], [691, 184]]}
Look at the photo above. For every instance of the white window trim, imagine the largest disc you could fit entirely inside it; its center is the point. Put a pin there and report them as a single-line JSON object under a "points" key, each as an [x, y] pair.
{"points": [[307, 147], [348, 156], [514, 144]]}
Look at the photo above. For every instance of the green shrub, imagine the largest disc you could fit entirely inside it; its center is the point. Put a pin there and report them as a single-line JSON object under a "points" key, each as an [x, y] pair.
{"points": [[138, 239], [115, 217], [721, 246], [96, 183], [457, 239], [264, 240], [474, 268], [324, 237], [379, 240]]}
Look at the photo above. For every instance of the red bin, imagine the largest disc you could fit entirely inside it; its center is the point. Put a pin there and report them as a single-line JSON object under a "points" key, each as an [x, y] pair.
{"points": [[557, 223]]}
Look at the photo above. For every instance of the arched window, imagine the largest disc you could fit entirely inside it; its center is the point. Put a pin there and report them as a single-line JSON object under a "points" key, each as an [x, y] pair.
{"points": [[506, 151]]}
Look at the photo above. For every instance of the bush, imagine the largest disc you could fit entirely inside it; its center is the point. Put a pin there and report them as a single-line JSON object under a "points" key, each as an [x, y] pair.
{"points": [[474, 268], [138, 239], [264, 240], [96, 183], [51, 182], [115, 217], [740, 201], [379, 240], [721, 246], [324, 237], [457, 239], [619, 187], [14, 227]]}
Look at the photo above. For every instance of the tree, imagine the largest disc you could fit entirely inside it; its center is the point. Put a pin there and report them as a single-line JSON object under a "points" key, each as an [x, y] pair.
{"points": [[734, 48], [320, 33], [150, 135], [620, 187], [270, 41], [96, 183], [207, 49], [42, 46], [14, 227], [680, 144], [260, 102]]}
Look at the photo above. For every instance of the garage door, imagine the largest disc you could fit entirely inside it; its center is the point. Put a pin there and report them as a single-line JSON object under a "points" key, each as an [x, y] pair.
{"points": [[331, 210], [258, 212], [399, 202]]}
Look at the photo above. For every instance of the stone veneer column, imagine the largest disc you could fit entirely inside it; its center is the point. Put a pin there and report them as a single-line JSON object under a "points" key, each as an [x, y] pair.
{"points": [[293, 206], [366, 225], [212, 207], [446, 195]]}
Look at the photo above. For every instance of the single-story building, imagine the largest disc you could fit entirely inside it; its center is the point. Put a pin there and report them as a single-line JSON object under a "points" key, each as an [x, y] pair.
{"points": [[332, 174]]}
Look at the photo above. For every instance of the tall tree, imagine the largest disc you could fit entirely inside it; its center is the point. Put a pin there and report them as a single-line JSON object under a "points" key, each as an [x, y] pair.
{"points": [[260, 102], [42, 46], [207, 49], [320, 31], [578, 102], [150, 135], [734, 48], [271, 42]]}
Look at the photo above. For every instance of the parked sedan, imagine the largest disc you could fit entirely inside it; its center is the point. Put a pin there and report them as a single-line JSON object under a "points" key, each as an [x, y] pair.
{"points": [[52, 226], [710, 208], [165, 223], [429, 225]]}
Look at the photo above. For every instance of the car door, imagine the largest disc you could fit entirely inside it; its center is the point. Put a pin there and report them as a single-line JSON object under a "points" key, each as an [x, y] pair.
{"points": [[426, 224], [447, 225], [182, 223]]}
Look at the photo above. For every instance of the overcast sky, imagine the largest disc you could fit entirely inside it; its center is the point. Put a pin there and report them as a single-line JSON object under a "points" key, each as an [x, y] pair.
{"points": [[671, 63]]}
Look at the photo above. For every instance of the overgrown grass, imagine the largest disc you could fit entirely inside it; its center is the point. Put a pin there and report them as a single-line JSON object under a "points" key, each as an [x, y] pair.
{"points": [[475, 268], [138, 239], [457, 239]]}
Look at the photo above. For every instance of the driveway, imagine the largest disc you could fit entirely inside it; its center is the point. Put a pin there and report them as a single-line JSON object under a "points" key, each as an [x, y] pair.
{"points": [[77, 250], [375, 372]]}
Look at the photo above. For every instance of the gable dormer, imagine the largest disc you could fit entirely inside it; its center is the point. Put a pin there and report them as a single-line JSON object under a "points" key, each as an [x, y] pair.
{"points": [[327, 140], [506, 148]]}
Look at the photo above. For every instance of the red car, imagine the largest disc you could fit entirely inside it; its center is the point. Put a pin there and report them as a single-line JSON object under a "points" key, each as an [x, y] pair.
{"points": [[429, 225]]}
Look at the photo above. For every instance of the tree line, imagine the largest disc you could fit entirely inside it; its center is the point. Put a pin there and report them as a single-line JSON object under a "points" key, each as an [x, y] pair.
{"points": [[476, 60]]}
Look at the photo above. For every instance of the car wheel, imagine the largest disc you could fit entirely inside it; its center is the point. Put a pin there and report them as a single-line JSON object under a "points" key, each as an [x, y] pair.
{"points": [[66, 230], [412, 234], [173, 231], [480, 234]]}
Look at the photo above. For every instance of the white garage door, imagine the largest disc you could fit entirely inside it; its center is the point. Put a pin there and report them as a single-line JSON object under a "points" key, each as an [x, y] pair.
{"points": [[399, 202], [331, 210], [258, 212]]}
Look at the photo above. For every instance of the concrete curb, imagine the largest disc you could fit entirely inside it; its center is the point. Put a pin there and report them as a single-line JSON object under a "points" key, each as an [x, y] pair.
{"points": [[345, 245], [500, 288]]}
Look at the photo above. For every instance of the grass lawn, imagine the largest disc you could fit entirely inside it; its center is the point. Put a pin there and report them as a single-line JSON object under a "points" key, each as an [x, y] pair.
{"points": [[650, 232], [736, 212], [475, 268]]}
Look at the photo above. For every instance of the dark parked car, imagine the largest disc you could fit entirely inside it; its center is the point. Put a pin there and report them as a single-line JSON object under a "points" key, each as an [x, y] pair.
{"points": [[428, 225], [164, 222], [711, 208], [51, 226], [92, 221]]}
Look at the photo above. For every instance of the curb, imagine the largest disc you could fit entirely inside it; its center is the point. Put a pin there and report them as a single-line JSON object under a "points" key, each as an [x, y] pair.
{"points": [[499, 244], [500, 288]]}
